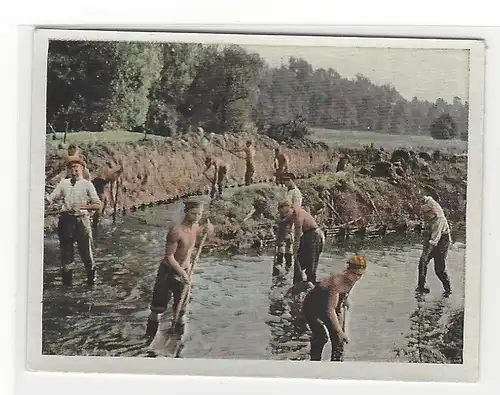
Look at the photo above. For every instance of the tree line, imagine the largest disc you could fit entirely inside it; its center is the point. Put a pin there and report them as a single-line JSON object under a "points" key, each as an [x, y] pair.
{"points": [[169, 88]]}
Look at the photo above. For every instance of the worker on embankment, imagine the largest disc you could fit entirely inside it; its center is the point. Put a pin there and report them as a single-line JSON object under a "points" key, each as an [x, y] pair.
{"points": [[322, 307], [221, 170], [280, 165], [437, 241], [172, 274], [249, 162], [309, 240], [79, 196], [102, 178]]}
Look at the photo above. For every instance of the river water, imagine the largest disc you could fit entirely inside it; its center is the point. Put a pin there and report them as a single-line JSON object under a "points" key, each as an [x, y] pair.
{"points": [[238, 309]]}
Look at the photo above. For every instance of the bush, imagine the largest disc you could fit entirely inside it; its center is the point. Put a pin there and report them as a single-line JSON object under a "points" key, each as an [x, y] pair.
{"points": [[293, 129], [444, 128]]}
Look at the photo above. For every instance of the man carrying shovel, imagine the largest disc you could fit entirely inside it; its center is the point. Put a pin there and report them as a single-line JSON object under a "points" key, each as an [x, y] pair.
{"points": [[173, 273]]}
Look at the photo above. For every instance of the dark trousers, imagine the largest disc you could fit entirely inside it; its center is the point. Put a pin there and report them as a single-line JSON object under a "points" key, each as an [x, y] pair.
{"points": [[249, 172], [322, 329], [439, 254], [73, 229], [311, 246], [221, 180], [165, 286]]}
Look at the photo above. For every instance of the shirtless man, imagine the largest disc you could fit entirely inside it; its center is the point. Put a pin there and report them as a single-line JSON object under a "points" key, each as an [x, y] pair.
{"points": [[102, 178], [250, 165], [172, 274], [309, 240], [285, 230], [220, 174], [280, 165], [321, 309]]}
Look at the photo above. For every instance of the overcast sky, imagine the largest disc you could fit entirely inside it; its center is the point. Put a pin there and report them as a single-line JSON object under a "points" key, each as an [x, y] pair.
{"points": [[425, 73]]}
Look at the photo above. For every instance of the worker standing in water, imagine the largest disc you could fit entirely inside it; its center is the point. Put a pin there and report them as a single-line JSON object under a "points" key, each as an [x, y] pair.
{"points": [[322, 305], [437, 241], [173, 271], [79, 197], [285, 237]]}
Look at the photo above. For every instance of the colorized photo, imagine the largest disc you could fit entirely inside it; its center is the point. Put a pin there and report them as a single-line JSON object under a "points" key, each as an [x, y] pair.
{"points": [[245, 201]]}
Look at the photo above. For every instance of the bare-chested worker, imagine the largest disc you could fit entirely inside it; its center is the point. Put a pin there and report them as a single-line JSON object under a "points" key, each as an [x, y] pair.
{"points": [[322, 307], [285, 237], [309, 240], [103, 177], [221, 170], [280, 165], [343, 162], [172, 274], [250, 162]]}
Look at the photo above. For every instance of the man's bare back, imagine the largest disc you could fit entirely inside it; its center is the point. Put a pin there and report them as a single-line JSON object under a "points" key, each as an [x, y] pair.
{"points": [[250, 154], [282, 162], [301, 219]]}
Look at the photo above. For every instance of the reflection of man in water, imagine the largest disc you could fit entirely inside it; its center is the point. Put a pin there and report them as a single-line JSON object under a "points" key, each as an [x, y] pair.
{"points": [[437, 240], [172, 274], [322, 305], [79, 196]]}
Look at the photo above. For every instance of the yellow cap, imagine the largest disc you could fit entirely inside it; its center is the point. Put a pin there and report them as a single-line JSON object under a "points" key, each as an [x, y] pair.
{"points": [[357, 263]]}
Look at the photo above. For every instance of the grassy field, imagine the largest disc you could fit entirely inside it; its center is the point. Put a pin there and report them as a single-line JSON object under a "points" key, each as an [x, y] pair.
{"points": [[337, 138], [112, 136], [358, 139]]}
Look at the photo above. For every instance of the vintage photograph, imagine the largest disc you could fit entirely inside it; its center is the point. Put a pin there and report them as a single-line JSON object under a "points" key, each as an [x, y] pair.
{"points": [[227, 198]]}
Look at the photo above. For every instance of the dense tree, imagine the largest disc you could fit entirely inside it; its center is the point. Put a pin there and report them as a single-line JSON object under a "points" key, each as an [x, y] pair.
{"points": [[444, 127], [168, 88]]}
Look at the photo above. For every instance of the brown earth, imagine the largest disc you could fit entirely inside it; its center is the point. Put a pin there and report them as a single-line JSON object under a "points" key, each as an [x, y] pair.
{"points": [[157, 171]]}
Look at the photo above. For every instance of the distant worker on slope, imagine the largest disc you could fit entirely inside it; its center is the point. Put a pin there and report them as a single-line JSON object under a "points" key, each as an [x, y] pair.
{"points": [[280, 165], [437, 240], [249, 151], [221, 170], [322, 307]]}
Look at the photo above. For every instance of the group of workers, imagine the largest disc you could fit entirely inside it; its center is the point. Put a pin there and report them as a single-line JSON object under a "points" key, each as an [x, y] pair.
{"points": [[300, 242]]}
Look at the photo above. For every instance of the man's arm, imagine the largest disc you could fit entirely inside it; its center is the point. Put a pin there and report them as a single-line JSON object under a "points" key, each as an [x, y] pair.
{"points": [[333, 299], [297, 235], [171, 245], [56, 193]]}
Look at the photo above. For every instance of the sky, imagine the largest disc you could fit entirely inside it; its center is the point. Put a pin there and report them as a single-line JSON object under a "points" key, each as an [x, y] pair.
{"points": [[427, 74]]}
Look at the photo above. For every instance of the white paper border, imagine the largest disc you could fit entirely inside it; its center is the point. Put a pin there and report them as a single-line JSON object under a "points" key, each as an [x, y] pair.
{"points": [[468, 371]]}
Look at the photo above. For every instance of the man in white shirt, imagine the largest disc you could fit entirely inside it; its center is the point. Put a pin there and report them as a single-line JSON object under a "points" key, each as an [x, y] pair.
{"points": [[437, 240], [78, 196]]}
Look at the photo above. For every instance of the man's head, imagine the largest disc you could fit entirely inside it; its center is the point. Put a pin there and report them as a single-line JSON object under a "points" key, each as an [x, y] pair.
{"points": [[285, 207], [356, 267], [289, 180], [72, 149], [276, 151], [194, 210], [249, 143], [208, 160], [75, 166], [428, 211]]}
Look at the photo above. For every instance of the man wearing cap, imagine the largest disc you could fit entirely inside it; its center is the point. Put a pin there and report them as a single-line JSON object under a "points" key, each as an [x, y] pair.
{"points": [[79, 197], [437, 240], [309, 240], [322, 305], [284, 241], [172, 274]]}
